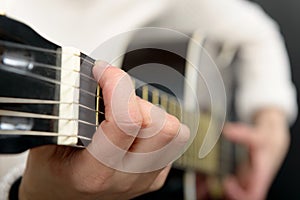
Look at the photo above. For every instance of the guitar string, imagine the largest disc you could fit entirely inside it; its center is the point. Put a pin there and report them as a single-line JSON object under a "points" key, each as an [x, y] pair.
{"points": [[41, 133], [15, 45], [27, 47], [42, 50], [10, 113], [46, 79], [149, 87], [56, 67], [136, 82], [41, 101], [21, 46]]}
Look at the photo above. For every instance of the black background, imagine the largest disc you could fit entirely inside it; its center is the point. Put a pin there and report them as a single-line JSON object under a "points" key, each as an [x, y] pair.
{"points": [[287, 15]]}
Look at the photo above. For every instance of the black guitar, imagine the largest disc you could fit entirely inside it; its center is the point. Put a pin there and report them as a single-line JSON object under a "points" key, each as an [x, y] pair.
{"points": [[48, 94]]}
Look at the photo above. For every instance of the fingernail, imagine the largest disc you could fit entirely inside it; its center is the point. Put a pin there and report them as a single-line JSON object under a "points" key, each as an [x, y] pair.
{"points": [[99, 67]]}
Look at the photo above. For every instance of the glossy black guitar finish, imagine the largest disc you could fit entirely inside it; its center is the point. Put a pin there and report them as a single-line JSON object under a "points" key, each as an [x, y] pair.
{"points": [[30, 72], [18, 33]]}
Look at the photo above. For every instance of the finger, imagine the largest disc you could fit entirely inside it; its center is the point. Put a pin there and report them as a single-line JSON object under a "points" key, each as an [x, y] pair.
{"points": [[123, 118], [122, 114], [239, 133], [253, 185], [251, 181], [261, 177], [233, 189], [119, 98], [139, 161], [160, 179], [161, 129]]}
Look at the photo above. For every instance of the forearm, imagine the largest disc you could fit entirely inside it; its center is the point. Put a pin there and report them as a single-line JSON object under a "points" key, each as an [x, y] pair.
{"points": [[271, 117]]}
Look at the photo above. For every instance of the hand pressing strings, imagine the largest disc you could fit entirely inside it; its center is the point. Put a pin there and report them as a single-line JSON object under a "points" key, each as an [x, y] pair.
{"points": [[130, 153]]}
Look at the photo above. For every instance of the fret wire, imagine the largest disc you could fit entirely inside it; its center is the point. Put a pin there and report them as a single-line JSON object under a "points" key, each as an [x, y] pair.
{"points": [[164, 96], [40, 101], [97, 103], [172, 106], [40, 116], [145, 92], [40, 77], [164, 101], [155, 97], [40, 133]]}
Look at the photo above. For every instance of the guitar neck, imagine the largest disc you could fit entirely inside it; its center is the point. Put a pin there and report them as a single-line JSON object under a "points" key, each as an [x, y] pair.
{"points": [[59, 103]]}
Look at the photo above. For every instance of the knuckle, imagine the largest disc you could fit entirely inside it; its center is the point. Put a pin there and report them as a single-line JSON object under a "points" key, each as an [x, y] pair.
{"points": [[185, 134], [171, 126], [126, 188], [158, 184], [135, 116], [115, 71]]}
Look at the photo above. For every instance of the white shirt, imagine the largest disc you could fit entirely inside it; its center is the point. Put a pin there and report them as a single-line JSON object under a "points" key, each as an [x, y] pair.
{"points": [[263, 75], [85, 25]]}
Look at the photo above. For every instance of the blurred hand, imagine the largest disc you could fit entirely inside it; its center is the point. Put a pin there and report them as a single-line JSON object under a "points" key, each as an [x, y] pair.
{"points": [[58, 172], [267, 143]]}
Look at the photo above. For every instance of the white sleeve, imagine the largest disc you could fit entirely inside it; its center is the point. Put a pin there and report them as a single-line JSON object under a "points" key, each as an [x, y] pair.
{"points": [[11, 168], [264, 71], [7, 181]]}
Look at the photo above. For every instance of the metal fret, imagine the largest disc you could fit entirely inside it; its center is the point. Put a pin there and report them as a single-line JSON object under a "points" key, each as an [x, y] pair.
{"points": [[155, 97], [145, 92], [164, 101]]}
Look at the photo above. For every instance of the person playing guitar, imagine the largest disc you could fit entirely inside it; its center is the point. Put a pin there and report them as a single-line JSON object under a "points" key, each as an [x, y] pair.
{"points": [[60, 172]]}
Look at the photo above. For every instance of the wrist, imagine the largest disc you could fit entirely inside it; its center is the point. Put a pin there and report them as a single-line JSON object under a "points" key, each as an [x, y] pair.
{"points": [[272, 122], [272, 118]]}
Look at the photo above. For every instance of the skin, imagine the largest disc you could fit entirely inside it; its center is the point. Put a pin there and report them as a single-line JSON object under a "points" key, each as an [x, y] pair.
{"points": [[267, 142], [68, 173], [58, 172]]}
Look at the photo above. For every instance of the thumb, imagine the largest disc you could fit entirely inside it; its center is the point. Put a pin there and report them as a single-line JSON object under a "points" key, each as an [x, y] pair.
{"points": [[239, 133], [233, 189]]}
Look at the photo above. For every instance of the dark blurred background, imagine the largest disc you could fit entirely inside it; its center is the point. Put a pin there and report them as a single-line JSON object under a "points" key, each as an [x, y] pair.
{"points": [[287, 15]]}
